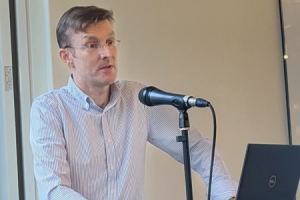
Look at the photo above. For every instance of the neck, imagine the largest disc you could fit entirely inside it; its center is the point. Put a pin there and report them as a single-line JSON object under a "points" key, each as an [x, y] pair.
{"points": [[99, 94]]}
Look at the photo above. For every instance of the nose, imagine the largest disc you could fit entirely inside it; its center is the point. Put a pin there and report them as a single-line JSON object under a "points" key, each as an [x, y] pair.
{"points": [[104, 52]]}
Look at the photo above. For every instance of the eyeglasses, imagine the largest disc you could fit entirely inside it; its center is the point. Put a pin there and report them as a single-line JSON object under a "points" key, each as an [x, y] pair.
{"points": [[96, 46]]}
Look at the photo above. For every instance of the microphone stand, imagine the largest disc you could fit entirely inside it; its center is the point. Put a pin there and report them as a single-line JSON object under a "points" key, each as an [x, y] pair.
{"points": [[184, 126]]}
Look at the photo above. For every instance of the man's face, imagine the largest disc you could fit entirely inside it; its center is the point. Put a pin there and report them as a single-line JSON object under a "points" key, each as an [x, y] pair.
{"points": [[94, 68]]}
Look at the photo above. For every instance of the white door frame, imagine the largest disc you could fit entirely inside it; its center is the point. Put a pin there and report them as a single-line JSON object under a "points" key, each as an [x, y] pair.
{"points": [[25, 96], [35, 72], [35, 77], [8, 151]]}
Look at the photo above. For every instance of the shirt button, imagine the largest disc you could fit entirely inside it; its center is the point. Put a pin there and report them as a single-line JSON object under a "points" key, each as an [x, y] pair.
{"points": [[112, 191], [109, 140], [112, 167]]}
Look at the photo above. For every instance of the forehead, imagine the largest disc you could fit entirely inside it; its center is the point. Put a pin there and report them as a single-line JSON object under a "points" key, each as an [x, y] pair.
{"points": [[102, 27], [100, 30]]}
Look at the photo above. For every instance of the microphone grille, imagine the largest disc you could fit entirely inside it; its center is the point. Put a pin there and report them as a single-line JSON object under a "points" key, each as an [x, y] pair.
{"points": [[144, 95]]}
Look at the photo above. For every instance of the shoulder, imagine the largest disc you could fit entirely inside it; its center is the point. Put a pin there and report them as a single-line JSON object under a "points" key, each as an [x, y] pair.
{"points": [[51, 98], [129, 86]]}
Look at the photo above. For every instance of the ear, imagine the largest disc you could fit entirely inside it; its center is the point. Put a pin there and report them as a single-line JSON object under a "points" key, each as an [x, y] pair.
{"points": [[67, 57]]}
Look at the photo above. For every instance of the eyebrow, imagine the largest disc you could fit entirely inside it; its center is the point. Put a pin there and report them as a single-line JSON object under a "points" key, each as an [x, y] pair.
{"points": [[88, 37]]}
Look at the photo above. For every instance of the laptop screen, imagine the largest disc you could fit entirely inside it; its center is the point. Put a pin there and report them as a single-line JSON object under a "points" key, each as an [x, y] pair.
{"points": [[270, 172]]}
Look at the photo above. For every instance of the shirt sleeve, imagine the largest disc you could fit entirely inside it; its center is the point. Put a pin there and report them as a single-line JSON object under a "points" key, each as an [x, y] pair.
{"points": [[163, 129], [51, 168]]}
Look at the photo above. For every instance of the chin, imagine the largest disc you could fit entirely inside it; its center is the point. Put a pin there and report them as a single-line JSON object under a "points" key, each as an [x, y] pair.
{"points": [[108, 82]]}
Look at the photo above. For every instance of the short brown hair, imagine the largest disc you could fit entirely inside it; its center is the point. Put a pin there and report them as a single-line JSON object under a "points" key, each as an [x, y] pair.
{"points": [[77, 19]]}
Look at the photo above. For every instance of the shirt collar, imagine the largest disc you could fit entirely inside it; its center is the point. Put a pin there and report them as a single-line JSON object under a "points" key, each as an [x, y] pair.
{"points": [[81, 97], [86, 101], [114, 96]]}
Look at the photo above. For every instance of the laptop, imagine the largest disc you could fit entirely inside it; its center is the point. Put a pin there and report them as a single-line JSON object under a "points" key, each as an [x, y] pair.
{"points": [[270, 172]]}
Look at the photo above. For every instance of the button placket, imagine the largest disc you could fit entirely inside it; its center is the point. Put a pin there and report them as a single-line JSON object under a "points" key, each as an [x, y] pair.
{"points": [[111, 159]]}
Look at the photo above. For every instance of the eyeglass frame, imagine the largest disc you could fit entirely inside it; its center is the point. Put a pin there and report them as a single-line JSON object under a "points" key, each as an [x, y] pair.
{"points": [[98, 45]]}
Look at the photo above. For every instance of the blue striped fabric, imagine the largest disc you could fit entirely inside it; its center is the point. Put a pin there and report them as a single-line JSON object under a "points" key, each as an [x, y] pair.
{"points": [[84, 152]]}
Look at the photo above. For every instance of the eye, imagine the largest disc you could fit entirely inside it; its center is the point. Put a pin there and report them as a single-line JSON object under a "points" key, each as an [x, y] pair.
{"points": [[93, 45], [110, 42]]}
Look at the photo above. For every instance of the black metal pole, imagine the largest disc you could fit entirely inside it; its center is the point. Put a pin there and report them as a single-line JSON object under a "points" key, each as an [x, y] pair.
{"points": [[184, 127], [17, 99]]}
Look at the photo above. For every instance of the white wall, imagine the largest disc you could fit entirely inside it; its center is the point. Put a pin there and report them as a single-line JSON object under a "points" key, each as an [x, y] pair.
{"points": [[227, 52]]}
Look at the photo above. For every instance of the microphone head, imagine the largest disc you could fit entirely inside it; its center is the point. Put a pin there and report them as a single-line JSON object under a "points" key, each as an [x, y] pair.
{"points": [[144, 97]]}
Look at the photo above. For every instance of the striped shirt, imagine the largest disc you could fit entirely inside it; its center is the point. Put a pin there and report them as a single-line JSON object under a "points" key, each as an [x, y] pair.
{"points": [[84, 152]]}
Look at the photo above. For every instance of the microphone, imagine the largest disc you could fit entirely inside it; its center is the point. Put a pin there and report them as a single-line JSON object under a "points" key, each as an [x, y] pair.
{"points": [[151, 96]]}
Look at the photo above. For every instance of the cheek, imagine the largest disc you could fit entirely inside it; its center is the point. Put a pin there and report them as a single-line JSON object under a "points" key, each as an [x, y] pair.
{"points": [[88, 61], [113, 54]]}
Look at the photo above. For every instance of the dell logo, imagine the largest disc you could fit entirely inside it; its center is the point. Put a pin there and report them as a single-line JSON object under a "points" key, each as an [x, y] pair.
{"points": [[272, 181]]}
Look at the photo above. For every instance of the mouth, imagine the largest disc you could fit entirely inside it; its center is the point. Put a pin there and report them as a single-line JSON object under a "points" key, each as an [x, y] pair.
{"points": [[107, 67]]}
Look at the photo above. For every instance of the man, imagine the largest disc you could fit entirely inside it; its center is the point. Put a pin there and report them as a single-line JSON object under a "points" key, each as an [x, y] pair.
{"points": [[89, 137]]}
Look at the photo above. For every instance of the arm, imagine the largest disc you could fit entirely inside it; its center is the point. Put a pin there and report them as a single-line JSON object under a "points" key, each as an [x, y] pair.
{"points": [[51, 168], [163, 129]]}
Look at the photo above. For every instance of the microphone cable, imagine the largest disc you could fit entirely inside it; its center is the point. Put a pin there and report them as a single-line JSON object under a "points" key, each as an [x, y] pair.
{"points": [[213, 150]]}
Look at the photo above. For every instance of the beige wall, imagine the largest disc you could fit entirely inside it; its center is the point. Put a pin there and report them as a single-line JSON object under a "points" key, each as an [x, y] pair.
{"points": [[227, 52]]}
